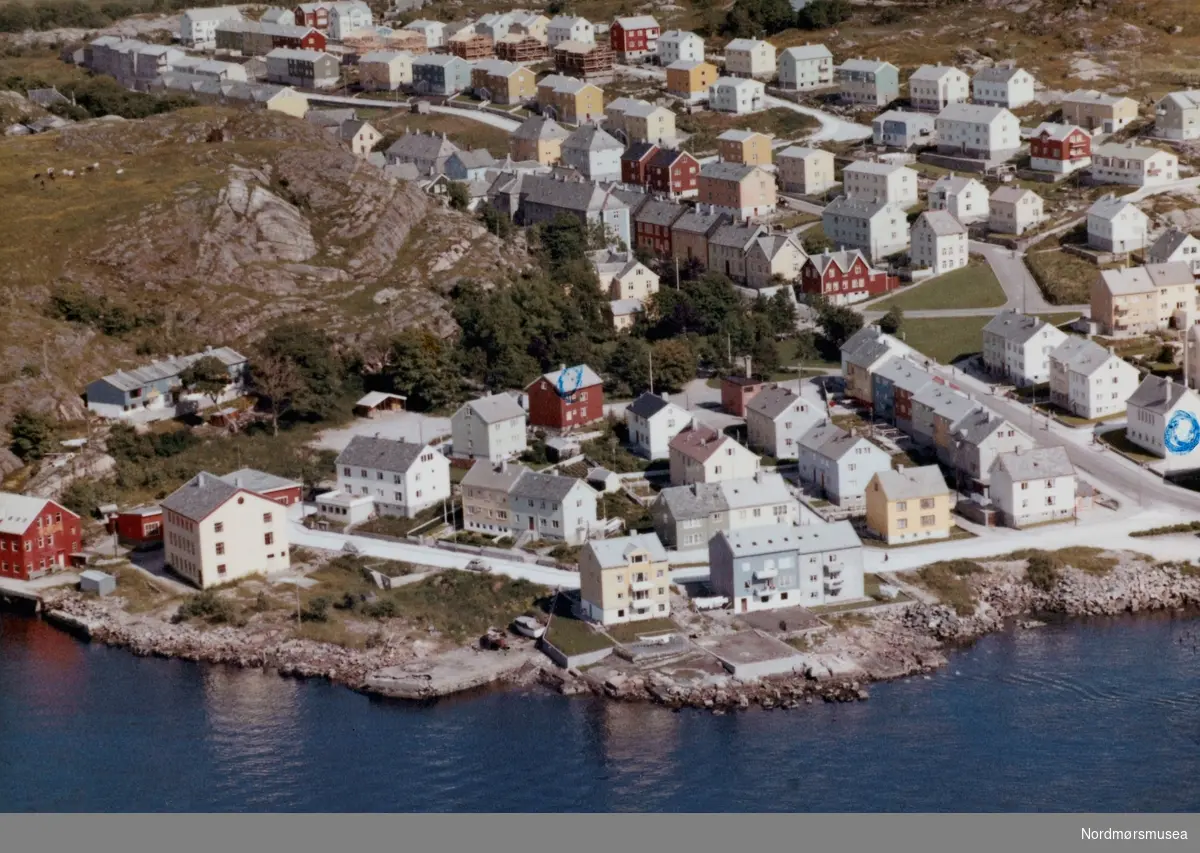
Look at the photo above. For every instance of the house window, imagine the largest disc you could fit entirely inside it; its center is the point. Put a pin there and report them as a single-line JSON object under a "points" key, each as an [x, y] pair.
{"points": [[901, 506], [220, 547], [927, 520], [266, 518], [221, 569], [901, 523]]}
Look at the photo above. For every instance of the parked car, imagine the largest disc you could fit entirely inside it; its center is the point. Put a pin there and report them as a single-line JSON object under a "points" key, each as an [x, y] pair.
{"points": [[480, 566]]}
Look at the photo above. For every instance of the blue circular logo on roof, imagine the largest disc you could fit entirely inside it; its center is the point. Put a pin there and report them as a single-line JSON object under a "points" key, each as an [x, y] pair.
{"points": [[570, 380], [1182, 434]]}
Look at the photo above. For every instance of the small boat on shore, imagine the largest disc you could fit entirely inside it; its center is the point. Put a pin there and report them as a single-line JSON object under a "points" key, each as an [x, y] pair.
{"points": [[528, 626]]}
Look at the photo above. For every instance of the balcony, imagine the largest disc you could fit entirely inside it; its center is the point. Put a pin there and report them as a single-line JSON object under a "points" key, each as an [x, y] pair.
{"points": [[766, 574], [764, 591], [642, 604], [642, 586], [834, 572], [833, 587]]}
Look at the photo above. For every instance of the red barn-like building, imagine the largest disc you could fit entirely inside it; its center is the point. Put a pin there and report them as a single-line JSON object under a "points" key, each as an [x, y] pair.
{"points": [[674, 173], [567, 398], [279, 489], [844, 277], [737, 391], [139, 527], [634, 161], [1059, 148], [312, 15], [652, 225], [37, 536], [634, 38]]}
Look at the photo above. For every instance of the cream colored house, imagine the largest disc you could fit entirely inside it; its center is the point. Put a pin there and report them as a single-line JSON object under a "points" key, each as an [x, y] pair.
{"points": [[646, 122], [538, 138], [702, 455], [1135, 301], [773, 258], [909, 505], [808, 171], [491, 428], [624, 579], [750, 58], [1100, 111], [570, 100], [485, 491], [1134, 165], [748, 147], [215, 532], [939, 242], [932, 88], [894, 183], [1014, 210], [385, 70]]}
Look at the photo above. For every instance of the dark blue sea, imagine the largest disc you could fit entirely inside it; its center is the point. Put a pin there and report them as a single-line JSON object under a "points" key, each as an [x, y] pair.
{"points": [[1081, 716]]}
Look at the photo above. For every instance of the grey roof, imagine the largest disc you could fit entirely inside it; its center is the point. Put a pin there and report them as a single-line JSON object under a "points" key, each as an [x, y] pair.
{"points": [[933, 72], [1079, 355], [844, 260], [873, 65], [199, 496], [807, 51], [486, 475], [867, 352], [1126, 151], [726, 171], [637, 22], [906, 116], [540, 127], [476, 158], [421, 146], [1109, 206], [648, 405], [743, 44], [1035, 464], [975, 113], [695, 501], [772, 402], [799, 152], [821, 435], [580, 196], [696, 222], [129, 380], [857, 208], [951, 184], [1014, 327], [997, 74], [331, 117], [657, 212], [1169, 274], [588, 137], [1157, 394], [839, 446], [761, 489], [496, 408], [941, 223], [548, 487], [258, 481], [588, 377], [1126, 280], [1167, 244], [1011, 195], [616, 553], [912, 483], [946, 403], [796, 538], [18, 512], [383, 454], [735, 135], [873, 167], [976, 427], [904, 374], [736, 236]]}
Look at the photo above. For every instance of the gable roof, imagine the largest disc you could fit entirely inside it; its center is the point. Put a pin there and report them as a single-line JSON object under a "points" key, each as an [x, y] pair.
{"points": [[580, 196], [1080, 355], [1110, 206], [258, 481], [869, 65], [798, 152], [487, 475], [658, 212], [978, 426], [976, 113], [695, 501], [548, 487], [639, 151], [945, 402], [857, 207], [1091, 96], [726, 171], [588, 377], [903, 374], [735, 135], [1041, 462], [933, 73], [667, 157], [912, 483], [746, 44], [1057, 130], [1167, 244], [874, 167], [17, 512], [1170, 274], [736, 236], [540, 127], [616, 553], [1011, 195], [773, 402], [383, 454], [637, 22], [997, 74], [648, 405], [1015, 327], [422, 146], [906, 116], [695, 221], [200, 496], [699, 443], [794, 538], [843, 260], [940, 222], [589, 137], [129, 380], [1128, 151], [1158, 394], [807, 51], [495, 408], [761, 489], [771, 245], [952, 184], [1126, 281]]}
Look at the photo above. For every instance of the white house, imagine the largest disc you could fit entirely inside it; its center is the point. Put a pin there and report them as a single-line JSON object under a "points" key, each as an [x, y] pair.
{"points": [[385, 70], [215, 532], [652, 423], [978, 131], [198, 27], [1176, 246], [966, 199], [808, 171], [939, 242], [1163, 419], [867, 81], [840, 465], [902, 129], [491, 428], [877, 228], [1003, 86], [894, 183], [770, 567], [737, 95], [703, 455], [346, 17], [678, 45], [750, 58], [976, 442], [1033, 486], [1014, 210], [807, 67], [1133, 165], [1117, 225], [1177, 115], [1017, 347], [402, 477], [1088, 380], [934, 87], [433, 31], [777, 418], [593, 153], [547, 506], [569, 28], [759, 500]]}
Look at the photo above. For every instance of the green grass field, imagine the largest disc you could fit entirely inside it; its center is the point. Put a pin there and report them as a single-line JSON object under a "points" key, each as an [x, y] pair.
{"points": [[948, 339], [974, 286]]}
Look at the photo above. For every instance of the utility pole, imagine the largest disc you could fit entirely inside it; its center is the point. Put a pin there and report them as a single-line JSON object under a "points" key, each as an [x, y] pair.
{"points": [[677, 272], [650, 352], [729, 350]]}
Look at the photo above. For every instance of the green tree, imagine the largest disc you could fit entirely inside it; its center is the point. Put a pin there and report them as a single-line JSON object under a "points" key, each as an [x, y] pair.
{"points": [[822, 14], [207, 376], [892, 321], [32, 435], [765, 358], [277, 382], [458, 195], [781, 311], [815, 243], [837, 322], [496, 222], [322, 373], [420, 368], [674, 364], [754, 18], [629, 368]]}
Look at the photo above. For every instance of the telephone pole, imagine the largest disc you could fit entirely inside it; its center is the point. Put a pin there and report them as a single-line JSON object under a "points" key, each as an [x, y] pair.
{"points": [[650, 352]]}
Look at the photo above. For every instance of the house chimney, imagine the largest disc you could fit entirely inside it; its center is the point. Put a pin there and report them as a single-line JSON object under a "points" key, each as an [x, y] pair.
{"points": [[200, 479], [749, 370], [237, 481]]}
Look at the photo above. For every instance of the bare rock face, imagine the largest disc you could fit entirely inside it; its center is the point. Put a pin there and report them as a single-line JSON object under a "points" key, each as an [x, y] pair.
{"points": [[252, 225]]}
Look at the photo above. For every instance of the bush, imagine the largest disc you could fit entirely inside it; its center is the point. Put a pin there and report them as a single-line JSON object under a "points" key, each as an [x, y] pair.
{"points": [[33, 435], [1186, 527], [210, 607], [316, 611], [1043, 571], [948, 580]]}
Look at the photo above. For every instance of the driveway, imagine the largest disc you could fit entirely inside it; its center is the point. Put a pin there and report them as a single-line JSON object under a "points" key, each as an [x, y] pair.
{"points": [[400, 426]]}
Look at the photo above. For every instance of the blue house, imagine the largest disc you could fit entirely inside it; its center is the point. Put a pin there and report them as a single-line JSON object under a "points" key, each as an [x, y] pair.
{"points": [[155, 392]]}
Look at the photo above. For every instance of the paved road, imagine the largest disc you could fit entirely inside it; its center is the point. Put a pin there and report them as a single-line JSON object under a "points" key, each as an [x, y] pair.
{"points": [[506, 124]]}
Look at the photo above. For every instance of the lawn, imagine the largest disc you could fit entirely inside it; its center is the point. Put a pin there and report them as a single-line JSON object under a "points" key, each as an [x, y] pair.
{"points": [[948, 339], [628, 632], [573, 636], [1117, 440], [398, 526], [974, 286], [463, 132], [1064, 279], [704, 128]]}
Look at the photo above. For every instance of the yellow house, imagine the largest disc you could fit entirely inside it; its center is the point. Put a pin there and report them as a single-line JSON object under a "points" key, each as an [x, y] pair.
{"points": [[690, 78], [503, 82], [748, 147], [570, 100], [288, 101], [909, 505], [538, 138], [624, 580]]}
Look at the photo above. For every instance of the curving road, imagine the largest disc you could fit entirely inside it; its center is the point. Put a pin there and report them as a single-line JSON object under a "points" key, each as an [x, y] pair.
{"points": [[505, 124]]}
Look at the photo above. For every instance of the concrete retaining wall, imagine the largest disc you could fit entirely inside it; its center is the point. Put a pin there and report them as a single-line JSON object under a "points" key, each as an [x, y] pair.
{"points": [[572, 661]]}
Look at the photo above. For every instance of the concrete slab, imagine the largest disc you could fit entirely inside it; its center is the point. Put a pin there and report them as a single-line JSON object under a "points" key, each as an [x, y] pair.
{"points": [[796, 619], [750, 655], [453, 672]]}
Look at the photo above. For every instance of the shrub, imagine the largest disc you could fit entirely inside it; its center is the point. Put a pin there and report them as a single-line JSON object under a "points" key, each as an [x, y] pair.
{"points": [[316, 611], [208, 606], [1043, 571]]}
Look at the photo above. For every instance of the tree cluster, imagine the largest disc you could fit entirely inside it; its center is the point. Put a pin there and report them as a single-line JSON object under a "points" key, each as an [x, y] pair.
{"points": [[761, 18]]}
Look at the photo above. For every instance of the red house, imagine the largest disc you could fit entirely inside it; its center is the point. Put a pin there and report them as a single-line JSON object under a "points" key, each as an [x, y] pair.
{"points": [[278, 489], [566, 398], [312, 15], [844, 277], [1060, 148], [737, 391], [674, 173], [634, 162], [652, 226], [633, 38], [37, 536], [139, 527]]}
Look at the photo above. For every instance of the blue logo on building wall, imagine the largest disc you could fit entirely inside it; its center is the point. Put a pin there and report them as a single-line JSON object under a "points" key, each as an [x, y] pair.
{"points": [[1182, 434], [570, 381]]}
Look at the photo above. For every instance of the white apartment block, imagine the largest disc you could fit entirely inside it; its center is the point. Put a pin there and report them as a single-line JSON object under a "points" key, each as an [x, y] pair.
{"points": [[978, 131], [1117, 225], [808, 171], [1033, 486], [1177, 116], [1003, 86], [1017, 347], [890, 182], [877, 228], [737, 95], [679, 45], [1090, 381], [491, 428], [939, 242], [932, 88], [198, 27], [1133, 165], [966, 199], [403, 478], [750, 58], [807, 67], [1015, 210], [570, 28]]}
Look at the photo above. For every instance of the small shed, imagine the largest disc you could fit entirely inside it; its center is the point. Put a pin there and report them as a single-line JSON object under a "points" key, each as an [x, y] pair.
{"points": [[345, 508], [603, 480], [379, 401], [97, 582]]}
